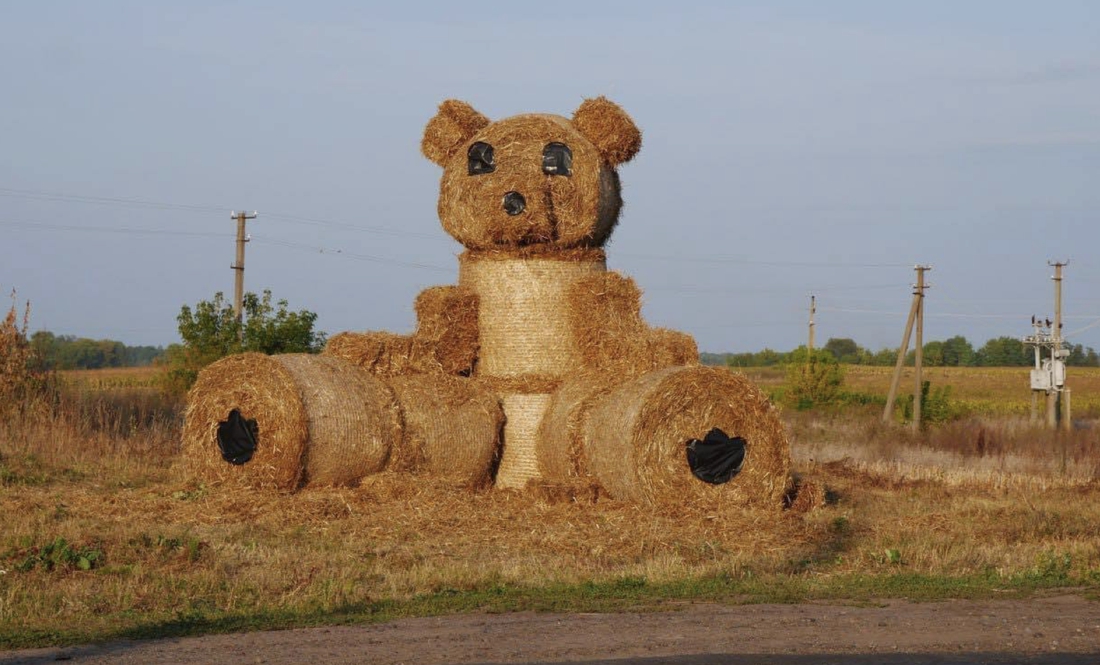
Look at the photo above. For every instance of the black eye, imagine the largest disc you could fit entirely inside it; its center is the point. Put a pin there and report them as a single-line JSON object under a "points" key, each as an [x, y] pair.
{"points": [[480, 159], [557, 159]]}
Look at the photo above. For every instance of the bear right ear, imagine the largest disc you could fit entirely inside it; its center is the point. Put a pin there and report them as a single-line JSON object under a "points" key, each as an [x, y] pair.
{"points": [[452, 126]]}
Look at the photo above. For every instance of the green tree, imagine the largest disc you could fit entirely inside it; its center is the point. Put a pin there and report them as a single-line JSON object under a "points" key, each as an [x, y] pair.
{"points": [[844, 349], [211, 331], [1004, 352], [958, 352], [933, 354]]}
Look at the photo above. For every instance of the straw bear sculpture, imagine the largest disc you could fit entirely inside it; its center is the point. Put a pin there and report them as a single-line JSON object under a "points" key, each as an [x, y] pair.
{"points": [[535, 368]]}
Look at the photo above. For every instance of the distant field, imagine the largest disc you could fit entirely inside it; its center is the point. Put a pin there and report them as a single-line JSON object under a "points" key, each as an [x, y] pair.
{"points": [[995, 391], [113, 377]]}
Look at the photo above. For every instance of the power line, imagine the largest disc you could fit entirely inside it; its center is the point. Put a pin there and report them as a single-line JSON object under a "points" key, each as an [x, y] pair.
{"points": [[40, 195], [109, 229], [741, 259], [351, 255]]}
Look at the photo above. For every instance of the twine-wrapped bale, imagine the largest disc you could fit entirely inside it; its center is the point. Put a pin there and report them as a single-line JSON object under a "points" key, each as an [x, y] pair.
{"points": [[381, 353], [452, 429], [636, 437], [560, 447], [522, 320], [446, 337], [321, 420], [519, 463]]}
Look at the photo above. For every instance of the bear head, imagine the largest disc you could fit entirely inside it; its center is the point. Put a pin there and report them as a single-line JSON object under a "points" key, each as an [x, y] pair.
{"points": [[533, 183]]}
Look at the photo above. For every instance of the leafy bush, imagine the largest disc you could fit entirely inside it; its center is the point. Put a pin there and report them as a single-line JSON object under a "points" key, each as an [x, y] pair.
{"points": [[813, 379], [211, 331], [936, 405]]}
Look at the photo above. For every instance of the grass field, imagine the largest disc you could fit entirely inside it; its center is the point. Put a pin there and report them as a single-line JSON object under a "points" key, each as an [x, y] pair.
{"points": [[103, 538]]}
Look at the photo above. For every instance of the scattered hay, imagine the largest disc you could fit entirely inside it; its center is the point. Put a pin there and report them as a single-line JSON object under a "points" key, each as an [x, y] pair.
{"points": [[804, 496], [521, 314], [320, 420], [381, 353], [446, 337], [452, 429], [635, 438]]}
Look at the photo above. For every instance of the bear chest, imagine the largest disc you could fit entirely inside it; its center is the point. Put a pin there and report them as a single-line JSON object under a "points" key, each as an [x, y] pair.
{"points": [[524, 324]]}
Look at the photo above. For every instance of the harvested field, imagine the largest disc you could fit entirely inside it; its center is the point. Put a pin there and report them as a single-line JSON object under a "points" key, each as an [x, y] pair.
{"points": [[102, 539]]}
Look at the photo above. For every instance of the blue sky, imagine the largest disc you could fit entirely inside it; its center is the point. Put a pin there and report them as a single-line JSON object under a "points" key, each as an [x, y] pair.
{"points": [[789, 148]]}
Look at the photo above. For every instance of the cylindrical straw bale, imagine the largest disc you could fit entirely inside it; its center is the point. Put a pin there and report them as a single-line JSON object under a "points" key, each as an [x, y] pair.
{"points": [[519, 463], [452, 428], [523, 321], [320, 420], [636, 438], [561, 435]]}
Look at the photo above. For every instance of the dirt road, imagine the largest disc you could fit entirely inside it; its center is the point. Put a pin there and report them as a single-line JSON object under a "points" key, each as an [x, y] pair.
{"points": [[1059, 629]]}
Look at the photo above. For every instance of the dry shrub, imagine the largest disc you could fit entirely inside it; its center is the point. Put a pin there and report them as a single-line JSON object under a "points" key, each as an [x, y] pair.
{"points": [[321, 420], [451, 429], [25, 392], [635, 438]]}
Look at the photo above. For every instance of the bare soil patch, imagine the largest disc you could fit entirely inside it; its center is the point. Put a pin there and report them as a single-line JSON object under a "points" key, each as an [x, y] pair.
{"points": [[1052, 629]]}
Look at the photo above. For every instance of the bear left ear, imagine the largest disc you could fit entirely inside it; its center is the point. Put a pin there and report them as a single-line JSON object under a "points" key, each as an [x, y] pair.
{"points": [[609, 128], [452, 126]]}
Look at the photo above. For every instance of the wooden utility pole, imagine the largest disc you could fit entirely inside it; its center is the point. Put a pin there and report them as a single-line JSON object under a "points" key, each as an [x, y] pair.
{"points": [[1054, 409], [918, 294], [813, 308], [919, 345], [238, 286]]}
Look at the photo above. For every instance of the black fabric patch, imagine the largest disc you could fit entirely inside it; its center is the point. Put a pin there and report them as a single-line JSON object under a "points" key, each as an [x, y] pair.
{"points": [[237, 438], [717, 458], [479, 159], [557, 159]]}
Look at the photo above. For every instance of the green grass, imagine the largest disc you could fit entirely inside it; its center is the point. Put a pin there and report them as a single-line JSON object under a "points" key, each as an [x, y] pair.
{"points": [[632, 594]]}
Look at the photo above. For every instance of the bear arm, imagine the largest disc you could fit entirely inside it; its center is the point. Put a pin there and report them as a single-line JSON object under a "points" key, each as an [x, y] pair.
{"points": [[446, 337], [605, 317], [381, 353]]}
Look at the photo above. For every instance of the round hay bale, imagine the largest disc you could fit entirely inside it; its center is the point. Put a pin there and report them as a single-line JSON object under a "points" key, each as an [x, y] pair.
{"points": [[452, 429], [519, 462], [636, 439], [318, 420], [523, 321], [560, 444]]}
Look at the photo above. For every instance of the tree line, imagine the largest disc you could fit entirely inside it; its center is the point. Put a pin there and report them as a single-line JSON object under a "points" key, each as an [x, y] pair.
{"points": [[57, 352], [956, 351]]}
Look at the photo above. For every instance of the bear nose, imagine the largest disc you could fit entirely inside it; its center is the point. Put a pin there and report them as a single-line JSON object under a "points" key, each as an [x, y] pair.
{"points": [[514, 203]]}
